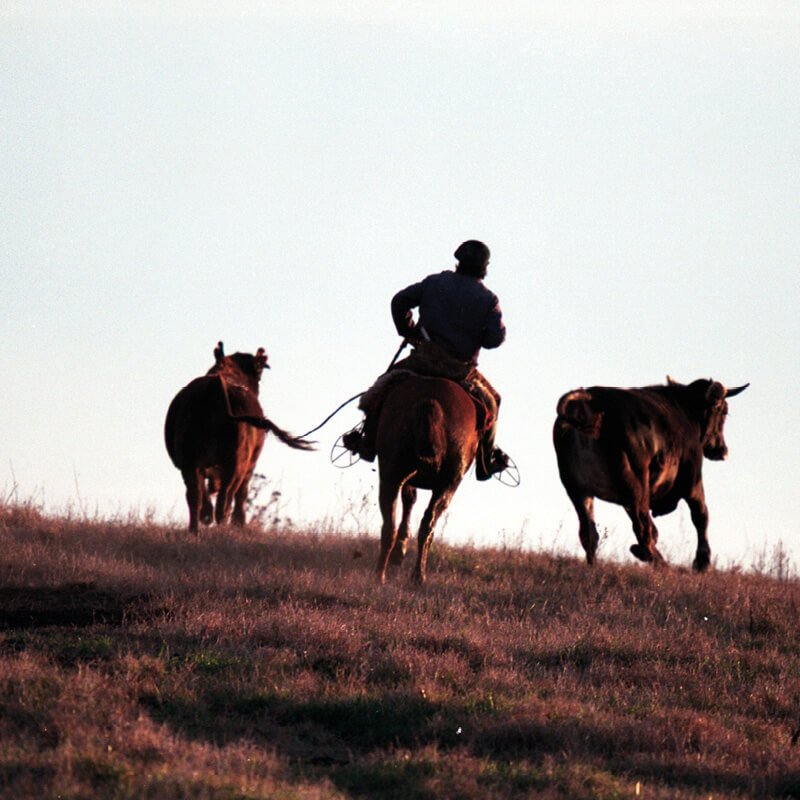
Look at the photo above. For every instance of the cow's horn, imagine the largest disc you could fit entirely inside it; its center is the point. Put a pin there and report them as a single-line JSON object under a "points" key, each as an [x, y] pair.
{"points": [[737, 390]]}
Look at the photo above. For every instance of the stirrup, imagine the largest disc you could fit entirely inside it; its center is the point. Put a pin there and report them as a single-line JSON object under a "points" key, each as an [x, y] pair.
{"points": [[509, 476], [341, 455]]}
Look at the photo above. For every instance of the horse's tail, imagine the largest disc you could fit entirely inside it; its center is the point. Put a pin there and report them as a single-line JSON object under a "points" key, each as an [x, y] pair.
{"points": [[429, 431]]}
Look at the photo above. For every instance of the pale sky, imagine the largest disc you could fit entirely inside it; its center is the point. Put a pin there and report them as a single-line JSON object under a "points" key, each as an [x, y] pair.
{"points": [[270, 177]]}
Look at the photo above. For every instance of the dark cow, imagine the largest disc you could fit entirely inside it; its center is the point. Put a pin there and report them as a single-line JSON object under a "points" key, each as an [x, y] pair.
{"points": [[214, 432], [642, 449]]}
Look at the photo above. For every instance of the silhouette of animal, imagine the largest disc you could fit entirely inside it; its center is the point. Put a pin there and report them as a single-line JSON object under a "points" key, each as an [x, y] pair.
{"points": [[427, 436], [642, 449], [214, 432]]}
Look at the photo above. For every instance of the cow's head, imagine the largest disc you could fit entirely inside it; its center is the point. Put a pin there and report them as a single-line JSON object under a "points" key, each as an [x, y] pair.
{"points": [[244, 366], [709, 398]]}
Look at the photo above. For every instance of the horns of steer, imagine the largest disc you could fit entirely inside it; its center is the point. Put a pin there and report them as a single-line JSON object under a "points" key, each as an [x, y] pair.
{"points": [[737, 390]]}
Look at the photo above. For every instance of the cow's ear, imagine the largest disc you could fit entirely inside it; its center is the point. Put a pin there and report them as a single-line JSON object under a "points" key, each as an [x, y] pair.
{"points": [[672, 382], [219, 352], [261, 359], [715, 393]]}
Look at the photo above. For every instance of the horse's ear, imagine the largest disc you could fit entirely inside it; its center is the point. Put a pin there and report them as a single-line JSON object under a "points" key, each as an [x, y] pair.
{"points": [[219, 352]]}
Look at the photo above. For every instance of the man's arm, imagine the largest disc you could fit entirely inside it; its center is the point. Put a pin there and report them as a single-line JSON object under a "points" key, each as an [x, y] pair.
{"points": [[494, 332], [402, 303]]}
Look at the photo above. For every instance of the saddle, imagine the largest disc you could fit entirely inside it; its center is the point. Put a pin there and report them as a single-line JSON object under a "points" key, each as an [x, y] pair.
{"points": [[373, 398]]}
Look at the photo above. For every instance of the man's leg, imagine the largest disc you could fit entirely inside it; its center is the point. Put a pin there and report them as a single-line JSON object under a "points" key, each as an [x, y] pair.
{"points": [[361, 440], [489, 459]]}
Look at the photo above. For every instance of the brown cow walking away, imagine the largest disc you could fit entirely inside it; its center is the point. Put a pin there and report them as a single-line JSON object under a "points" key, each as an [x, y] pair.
{"points": [[642, 449], [427, 436], [214, 432]]}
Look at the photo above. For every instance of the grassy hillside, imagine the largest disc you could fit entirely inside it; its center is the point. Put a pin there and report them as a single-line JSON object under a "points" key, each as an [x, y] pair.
{"points": [[138, 662]]}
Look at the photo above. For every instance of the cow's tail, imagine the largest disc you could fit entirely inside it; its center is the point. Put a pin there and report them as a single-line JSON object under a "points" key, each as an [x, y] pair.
{"points": [[430, 439], [296, 442], [575, 412]]}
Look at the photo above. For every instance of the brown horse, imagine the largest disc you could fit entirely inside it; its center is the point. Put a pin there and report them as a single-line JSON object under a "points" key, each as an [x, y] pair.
{"points": [[426, 438]]}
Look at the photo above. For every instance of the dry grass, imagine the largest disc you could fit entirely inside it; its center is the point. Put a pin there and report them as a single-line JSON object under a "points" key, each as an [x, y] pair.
{"points": [[138, 662]]}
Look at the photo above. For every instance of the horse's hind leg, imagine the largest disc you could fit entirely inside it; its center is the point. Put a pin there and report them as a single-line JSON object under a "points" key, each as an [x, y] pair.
{"points": [[408, 497], [387, 499], [438, 504]]}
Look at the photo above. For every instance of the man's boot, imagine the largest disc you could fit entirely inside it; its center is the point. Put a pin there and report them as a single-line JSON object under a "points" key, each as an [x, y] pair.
{"points": [[489, 460], [361, 440]]}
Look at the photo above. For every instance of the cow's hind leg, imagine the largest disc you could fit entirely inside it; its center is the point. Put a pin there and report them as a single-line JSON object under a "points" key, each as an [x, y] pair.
{"points": [[637, 481], [587, 530], [440, 500], [195, 490], [408, 497], [387, 500], [230, 481], [240, 500], [699, 512], [646, 537], [206, 506]]}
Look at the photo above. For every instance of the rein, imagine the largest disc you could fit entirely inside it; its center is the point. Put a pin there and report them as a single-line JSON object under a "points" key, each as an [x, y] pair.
{"points": [[227, 396], [330, 416], [258, 422]]}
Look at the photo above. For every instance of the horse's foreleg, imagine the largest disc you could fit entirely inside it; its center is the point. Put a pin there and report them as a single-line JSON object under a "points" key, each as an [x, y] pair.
{"points": [[408, 497], [438, 504], [387, 499]]}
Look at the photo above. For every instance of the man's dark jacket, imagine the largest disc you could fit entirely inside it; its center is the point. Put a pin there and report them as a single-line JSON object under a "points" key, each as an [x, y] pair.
{"points": [[456, 310]]}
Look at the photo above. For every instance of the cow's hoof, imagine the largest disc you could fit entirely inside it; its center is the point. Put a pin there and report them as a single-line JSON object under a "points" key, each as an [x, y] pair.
{"points": [[641, 552], [702, 562]]}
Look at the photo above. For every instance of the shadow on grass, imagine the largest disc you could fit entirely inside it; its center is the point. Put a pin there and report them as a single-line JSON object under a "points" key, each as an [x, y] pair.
{"points": [[352, 741], [68, 605], [333, 736]]}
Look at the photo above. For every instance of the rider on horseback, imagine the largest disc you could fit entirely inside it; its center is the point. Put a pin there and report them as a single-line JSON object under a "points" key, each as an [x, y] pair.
{"points": [[458, 315]]}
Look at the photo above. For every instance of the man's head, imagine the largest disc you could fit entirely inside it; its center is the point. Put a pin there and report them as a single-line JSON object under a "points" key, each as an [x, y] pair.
{"points": [[473, 258]]}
